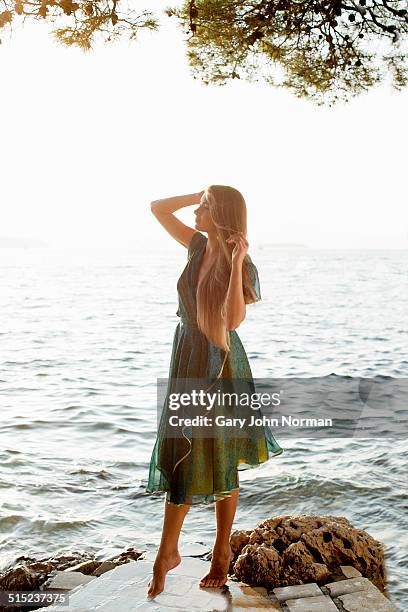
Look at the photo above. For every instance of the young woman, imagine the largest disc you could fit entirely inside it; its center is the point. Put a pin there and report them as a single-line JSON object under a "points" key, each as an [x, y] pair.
{"points": [[217, 283]]}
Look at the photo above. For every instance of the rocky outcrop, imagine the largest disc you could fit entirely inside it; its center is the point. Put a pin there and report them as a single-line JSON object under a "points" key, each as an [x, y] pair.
{"points": [[289, 550], [29, 574]]}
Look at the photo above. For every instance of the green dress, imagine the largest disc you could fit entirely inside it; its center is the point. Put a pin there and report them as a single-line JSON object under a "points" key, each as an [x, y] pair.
{"points": [[192, 469]]}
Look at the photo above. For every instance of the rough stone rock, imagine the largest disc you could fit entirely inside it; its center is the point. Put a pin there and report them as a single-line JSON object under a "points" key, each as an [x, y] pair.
{"points": [[257, 565], [21, 578], [105, 566], [85, 567], [61, 561], [297, 560], [96, 567], [288, 550], [130, 554], [238, 540], [29, 574]]}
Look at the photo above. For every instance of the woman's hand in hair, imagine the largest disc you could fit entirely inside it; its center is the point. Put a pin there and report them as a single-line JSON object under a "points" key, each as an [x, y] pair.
{"points": [[235, 303], [240, 246]]}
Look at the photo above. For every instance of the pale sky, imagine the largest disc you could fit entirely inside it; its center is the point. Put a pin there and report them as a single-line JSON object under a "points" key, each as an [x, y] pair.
{"points": [[88, 140]]}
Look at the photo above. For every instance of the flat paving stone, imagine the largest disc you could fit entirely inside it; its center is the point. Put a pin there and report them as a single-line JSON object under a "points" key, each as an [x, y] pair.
{"points": [[300, 590], [178, 595], [349, 571], [343, 587], [128, 571], [244, 597], [311, 604], [105, 566], [367, 601], [93, 593], [68, 580], [124, 589]]}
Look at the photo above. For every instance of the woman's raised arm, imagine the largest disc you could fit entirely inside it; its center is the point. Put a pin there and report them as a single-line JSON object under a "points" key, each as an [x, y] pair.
{"points": [[163, 211]]}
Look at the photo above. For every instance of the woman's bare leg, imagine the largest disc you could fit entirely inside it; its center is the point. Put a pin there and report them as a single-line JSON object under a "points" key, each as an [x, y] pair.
{"points": [[222, 553], [167, 555]]}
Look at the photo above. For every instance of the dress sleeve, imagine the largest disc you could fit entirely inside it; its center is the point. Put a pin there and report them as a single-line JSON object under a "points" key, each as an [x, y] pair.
{"points": [[195, 242], [254, 278]]}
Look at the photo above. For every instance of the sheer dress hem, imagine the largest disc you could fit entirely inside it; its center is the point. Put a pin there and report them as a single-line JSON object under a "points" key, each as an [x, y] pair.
{"points": [[210, 498]]}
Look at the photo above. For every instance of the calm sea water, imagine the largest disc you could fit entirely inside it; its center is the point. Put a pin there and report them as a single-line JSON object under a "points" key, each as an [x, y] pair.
{"points": [[85, 335]]}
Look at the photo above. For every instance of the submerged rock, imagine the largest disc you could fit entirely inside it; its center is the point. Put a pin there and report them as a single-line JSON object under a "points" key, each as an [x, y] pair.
{"points": [[289, 550]]}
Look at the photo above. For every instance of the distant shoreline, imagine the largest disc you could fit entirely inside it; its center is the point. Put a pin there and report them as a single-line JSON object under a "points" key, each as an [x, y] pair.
{"points": [[22, 243], [283, 245], [261, 247]]}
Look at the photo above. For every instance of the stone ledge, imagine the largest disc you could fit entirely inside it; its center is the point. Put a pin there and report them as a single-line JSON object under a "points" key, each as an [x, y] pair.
{"points": [[67, 580], [367, 601], [297, 591], [311, 604], [124, 589], [343, 587], [301, 560], [349, 572]]}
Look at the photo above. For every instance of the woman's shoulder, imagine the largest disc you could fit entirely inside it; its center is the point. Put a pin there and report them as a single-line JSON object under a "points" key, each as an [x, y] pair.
{"points": [[253, 275], [196, 241]]}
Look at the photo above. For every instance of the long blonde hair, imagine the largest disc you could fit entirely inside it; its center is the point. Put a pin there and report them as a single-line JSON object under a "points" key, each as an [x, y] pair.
{"points": [[228, 211]]}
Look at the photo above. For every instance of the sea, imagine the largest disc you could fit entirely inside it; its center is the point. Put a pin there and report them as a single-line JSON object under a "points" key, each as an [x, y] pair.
{"points": [[84, 337]]}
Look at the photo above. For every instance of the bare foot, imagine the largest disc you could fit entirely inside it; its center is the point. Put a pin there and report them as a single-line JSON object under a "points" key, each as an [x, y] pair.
{"points": [[218, 574], [164, 562]]}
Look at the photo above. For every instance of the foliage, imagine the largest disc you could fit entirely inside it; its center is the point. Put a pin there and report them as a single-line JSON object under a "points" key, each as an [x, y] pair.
{"points": [[325, 50]]}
